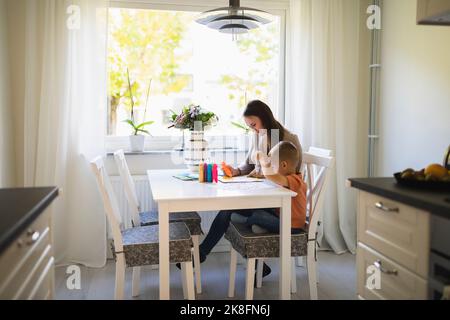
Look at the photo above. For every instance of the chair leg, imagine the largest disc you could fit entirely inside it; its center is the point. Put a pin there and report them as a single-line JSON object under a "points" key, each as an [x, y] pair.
{"points": [[293, 277], [189, 275], [232, 280], [120, 277], [249, 279], [301, 262], [136, 281], [198, 279], [311, 261], [184, 280], [259, 272]]}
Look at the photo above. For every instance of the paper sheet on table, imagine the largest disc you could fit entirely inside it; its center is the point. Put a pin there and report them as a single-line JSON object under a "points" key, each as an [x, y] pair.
{"points": [[242, 179]]}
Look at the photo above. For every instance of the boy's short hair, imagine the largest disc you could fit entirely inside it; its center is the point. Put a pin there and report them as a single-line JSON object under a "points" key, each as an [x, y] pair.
{"points": [[289, 152]]}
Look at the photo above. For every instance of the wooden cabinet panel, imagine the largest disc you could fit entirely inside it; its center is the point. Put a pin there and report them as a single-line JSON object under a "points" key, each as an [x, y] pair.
{"points": [[399, 232], [397, 283]]}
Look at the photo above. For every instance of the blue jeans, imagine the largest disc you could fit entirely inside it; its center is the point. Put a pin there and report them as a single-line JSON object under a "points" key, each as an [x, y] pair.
{"points": [[265, 218]]}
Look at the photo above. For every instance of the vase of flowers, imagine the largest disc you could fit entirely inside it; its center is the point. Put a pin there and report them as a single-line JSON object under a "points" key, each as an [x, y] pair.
{"points": [[195, 147], [137, 140]]}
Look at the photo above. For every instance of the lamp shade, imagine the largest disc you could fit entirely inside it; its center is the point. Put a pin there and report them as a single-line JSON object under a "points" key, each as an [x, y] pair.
{"points": [[234, 19]]}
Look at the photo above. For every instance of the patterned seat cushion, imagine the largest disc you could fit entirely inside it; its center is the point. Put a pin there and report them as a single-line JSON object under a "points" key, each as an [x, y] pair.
{"points": [[141, 244], [192, 220], [251, 245]]}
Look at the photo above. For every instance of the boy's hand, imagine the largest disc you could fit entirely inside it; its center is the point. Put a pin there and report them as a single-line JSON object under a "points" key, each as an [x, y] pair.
{"points": [[262, 158], [266, 165]]}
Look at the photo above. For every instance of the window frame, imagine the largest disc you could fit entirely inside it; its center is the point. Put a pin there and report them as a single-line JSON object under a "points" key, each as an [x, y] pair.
{"points": [[279, 8]]}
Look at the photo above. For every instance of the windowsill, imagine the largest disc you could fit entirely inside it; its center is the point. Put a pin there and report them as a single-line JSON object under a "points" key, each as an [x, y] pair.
{"points": [[170, 151]]}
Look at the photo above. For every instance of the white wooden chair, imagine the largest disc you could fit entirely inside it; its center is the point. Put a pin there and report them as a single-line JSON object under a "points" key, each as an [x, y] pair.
{"points": [[256, 247], [192, 219], [317, 152], [139, 246]]}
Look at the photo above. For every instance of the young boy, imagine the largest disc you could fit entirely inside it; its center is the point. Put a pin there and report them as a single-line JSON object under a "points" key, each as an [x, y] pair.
{"points": [[280, 167]]}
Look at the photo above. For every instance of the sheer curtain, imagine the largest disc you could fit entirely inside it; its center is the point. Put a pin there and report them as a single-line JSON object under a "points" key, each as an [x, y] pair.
{"points": [[322, 103], [64, 118]]}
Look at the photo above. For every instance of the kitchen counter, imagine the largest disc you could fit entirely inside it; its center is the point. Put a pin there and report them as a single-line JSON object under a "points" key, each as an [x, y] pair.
{"points": [[19, 208], [435, 202]]}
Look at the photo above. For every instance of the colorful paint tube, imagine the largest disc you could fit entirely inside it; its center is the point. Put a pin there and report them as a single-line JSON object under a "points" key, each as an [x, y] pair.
{"points": [[201, 175], [215, 174], [209, 173]]}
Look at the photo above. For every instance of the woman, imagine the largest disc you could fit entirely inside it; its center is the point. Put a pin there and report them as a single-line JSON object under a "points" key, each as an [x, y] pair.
{"points": [[260, 119]]}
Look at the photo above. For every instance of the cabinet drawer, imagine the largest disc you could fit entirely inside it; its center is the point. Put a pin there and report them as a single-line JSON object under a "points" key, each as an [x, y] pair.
{"points": [[16, 253], [401, 285], [17, 282], [399, 232], [22, 260], [42, 284]]}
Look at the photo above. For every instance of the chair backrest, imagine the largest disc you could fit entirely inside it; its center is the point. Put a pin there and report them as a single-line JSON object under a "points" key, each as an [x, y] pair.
{"points": [[109, 201], [316, 172], [320, 152], [128, 185]]}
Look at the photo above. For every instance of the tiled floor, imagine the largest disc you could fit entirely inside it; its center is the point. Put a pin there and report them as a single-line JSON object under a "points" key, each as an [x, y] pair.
{"points": [[337, 280]]}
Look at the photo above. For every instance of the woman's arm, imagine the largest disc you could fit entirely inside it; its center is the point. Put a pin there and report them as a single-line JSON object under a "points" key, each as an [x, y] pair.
{"points": [[248, 165]]}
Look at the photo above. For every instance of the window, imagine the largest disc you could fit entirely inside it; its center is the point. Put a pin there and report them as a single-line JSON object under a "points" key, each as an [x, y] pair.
{"points": [[177, 62]]}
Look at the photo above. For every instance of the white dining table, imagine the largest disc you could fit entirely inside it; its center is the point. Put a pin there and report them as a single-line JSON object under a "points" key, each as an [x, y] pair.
{"points": [[174, 195]]}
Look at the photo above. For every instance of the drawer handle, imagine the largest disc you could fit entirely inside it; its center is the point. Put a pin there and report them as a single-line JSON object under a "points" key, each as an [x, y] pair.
{"points": [[378, 265], [33, 237], [382, 207]]}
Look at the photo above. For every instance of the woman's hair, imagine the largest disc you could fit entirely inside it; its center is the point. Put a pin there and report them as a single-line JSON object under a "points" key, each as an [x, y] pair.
{"points": [[261, 110]]}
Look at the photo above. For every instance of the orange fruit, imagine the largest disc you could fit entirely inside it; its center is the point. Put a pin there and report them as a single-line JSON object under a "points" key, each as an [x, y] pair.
{"points": [[436, 171]]}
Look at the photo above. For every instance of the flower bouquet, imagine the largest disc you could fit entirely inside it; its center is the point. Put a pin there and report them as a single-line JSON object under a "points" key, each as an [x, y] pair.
{"points": [[195, 119], [191, 115]]}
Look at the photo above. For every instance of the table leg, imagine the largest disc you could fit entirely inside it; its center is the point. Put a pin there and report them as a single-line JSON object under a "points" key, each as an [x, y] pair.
{"points": [[164, 263], [285, 249]]}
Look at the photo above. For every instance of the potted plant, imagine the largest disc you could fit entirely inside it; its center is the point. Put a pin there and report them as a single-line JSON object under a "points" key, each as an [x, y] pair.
{"points": [[195, 119], [241, 126], [137, 140]]}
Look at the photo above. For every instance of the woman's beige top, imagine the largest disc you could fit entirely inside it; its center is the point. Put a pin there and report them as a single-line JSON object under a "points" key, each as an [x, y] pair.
{"points": [[249, 165]]}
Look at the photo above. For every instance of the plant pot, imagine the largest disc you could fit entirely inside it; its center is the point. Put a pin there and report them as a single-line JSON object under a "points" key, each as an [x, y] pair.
{"points": [[137, 143], [195, 150]]}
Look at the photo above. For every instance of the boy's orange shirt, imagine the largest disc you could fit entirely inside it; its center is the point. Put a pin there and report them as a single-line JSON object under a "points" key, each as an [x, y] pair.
{"points": [[298, 203]]}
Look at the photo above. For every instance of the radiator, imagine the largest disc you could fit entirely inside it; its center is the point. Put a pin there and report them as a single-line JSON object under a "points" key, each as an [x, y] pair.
{"points": [[147, 204]]}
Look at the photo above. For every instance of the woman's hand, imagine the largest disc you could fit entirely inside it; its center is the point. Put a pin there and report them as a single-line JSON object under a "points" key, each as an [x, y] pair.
{"points": [[229, 171], [235, 172]]}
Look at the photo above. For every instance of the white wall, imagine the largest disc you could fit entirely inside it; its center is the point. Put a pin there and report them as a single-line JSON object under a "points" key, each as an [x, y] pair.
{"points": [[415, 90], [7, 170]]}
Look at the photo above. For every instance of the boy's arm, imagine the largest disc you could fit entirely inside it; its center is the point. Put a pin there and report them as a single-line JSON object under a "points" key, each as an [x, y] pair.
{"points": [[269, 173], [278, 179]]}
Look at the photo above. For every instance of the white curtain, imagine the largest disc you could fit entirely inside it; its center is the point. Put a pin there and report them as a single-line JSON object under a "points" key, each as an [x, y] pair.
{"points": [[322, 103], [64, 118]]}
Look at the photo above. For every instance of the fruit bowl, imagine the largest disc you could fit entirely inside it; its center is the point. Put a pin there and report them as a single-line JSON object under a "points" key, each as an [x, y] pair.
{"points": [[422, 184]]}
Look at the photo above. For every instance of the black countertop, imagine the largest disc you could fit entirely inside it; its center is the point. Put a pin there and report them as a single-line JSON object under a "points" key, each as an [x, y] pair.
{"points": [[19, 208], [437, 203]]}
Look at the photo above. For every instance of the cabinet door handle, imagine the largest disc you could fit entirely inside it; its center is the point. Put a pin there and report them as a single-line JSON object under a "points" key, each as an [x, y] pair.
{"points": [[382, 207], [378, 265], [33, 237]]}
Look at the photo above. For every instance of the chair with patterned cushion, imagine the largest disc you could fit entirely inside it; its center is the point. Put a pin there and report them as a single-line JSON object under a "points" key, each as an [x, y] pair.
{"points": [[139, 246], [257, 247], [191, 219]]}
